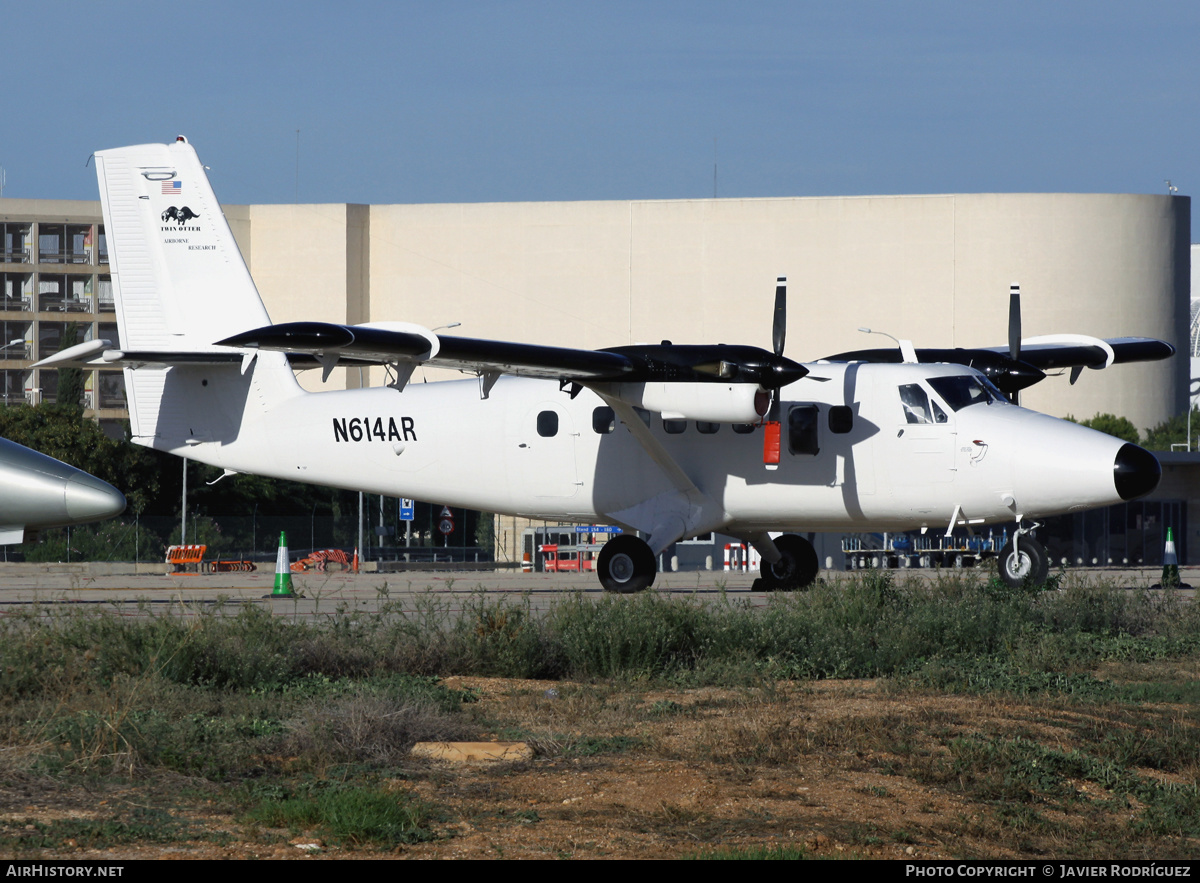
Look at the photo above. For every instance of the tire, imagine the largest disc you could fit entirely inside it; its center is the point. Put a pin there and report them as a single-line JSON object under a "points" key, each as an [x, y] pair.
{"points": [[1027, 567], [798, 567], [626, 565]]}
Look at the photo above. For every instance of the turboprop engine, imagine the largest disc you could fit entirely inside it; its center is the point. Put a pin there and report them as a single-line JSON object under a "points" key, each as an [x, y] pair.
{"points": [[709, 402]]}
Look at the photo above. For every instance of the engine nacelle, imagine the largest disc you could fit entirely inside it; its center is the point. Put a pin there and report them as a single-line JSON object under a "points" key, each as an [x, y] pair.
{"points": [[709, 402]]}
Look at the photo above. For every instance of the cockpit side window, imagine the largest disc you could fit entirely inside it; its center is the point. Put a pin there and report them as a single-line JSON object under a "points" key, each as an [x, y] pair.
{"points": [[963, 390], [916, 403]]}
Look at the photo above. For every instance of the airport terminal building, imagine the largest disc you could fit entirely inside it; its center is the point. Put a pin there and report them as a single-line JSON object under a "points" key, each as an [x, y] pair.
{"points": [[932, 269]]}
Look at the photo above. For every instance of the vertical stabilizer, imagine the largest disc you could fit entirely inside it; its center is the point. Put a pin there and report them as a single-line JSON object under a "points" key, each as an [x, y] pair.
{"points": [[180, 285], [178, 276]]}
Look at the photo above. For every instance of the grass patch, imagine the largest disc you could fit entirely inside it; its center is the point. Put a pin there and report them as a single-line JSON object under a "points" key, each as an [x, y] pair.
{"points": [[354, 816], [139, 825], [1089, 693]]}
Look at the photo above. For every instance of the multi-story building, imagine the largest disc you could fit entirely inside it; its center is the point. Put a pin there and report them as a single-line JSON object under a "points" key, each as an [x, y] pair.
{"points": [[55, 289]]}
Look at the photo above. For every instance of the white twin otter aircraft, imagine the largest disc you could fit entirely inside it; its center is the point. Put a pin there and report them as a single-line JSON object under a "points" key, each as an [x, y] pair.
{"points": [[666, 441]]}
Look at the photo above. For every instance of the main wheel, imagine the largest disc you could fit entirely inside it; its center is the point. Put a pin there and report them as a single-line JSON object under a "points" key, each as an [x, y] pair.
{"points": [[798, 567], [1027, 565], [626, 565]]}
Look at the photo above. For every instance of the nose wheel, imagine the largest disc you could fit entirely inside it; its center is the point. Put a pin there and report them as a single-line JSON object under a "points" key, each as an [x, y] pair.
{"points": [[626, 565], [1023, 562]]}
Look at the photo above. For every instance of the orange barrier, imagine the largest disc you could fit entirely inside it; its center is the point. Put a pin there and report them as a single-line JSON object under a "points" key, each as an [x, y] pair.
{"points": [[181, 556], [230, 567], [321, 560]]}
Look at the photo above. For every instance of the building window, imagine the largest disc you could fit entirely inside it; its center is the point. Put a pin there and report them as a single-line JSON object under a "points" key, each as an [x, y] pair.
{"points": [[104, 292], [17, 291], [15, 243], [51, 243], [112, 389]]}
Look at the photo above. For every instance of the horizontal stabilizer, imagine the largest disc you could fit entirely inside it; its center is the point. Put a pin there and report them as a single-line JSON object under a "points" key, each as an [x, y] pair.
{"points": [[99, 354]]}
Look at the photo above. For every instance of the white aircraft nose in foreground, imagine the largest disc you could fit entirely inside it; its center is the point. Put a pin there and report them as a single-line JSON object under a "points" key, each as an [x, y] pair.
{"points": [[668, 441]]}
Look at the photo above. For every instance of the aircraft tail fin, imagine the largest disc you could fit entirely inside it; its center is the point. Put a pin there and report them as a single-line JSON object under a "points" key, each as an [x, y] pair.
{"points": [[179, 283]]}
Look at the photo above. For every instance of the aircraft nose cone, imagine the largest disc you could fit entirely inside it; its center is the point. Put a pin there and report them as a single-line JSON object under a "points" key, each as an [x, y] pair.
{"points": [[90, 499], [1136, 472]]}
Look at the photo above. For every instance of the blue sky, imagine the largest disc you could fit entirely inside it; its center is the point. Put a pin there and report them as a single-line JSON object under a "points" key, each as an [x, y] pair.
{"points": [[500, 101]]}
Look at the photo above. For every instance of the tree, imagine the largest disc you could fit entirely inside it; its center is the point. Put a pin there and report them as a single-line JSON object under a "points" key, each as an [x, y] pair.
{"points": [[70, 380], [1110, 424], [1172, 432]]}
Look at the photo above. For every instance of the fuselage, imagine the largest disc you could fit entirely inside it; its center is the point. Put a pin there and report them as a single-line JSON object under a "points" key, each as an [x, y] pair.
{"points": [[879, 446]]}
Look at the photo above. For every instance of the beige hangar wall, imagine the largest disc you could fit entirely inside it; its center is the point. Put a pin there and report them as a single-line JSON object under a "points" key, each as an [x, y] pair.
{"points": [[309, 262], [935, 269]]}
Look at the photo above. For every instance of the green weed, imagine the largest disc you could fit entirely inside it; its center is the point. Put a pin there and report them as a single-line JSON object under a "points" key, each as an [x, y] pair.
{"points": [[354, 816]]}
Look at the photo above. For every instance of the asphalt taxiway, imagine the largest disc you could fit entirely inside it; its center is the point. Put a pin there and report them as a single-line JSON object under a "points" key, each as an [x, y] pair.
{"points": [[326, 594]]}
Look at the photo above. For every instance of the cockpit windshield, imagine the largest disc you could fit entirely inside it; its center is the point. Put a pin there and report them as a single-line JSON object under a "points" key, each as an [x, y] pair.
{"points": [[963, 390]]}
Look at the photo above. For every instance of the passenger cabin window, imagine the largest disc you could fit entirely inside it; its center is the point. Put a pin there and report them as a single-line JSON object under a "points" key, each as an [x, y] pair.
{"points": [[547, 424], [841, 419], [674, 427], [743, 428], [705, 428], [643, 413], [604, 420], [802, 429]]}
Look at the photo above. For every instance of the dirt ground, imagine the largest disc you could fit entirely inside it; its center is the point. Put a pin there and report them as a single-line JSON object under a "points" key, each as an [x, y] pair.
{"points": [[837, 768]]}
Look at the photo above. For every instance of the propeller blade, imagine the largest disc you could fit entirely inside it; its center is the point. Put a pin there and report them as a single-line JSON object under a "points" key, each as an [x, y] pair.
{"points": [[1014, 322], [779, 329]]}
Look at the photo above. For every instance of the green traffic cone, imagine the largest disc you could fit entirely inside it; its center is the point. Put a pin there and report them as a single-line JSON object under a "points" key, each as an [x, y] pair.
{"points": [[1170, 574], [283, 571]]}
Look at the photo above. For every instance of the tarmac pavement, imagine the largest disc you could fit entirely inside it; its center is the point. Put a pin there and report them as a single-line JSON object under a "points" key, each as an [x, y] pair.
{"points": [[119, 587]]}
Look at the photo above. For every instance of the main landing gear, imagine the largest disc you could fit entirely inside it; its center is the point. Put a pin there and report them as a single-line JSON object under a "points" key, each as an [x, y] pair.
{"points": [[626, 565], [797, 569], [1023, 562]]}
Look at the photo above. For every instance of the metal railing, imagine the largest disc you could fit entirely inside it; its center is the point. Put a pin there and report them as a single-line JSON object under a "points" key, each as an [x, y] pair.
{"points": [[22, 304], [63, 256], [49, 303]]}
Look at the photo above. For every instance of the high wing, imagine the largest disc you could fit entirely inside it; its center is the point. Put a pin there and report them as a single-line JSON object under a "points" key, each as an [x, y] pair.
{"points": [[1024, 362], [1078, 351], [405, 346], [1038, 355], [401, 343]]}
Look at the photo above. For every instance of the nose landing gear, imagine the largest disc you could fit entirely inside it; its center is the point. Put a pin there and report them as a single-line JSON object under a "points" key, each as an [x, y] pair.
{"points": [[1023, 560]]}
